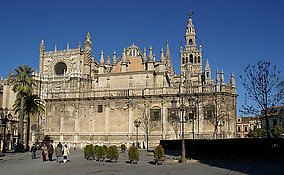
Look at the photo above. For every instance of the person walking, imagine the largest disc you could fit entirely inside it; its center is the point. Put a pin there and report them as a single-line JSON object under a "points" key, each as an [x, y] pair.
{"points": [[50, 152], [43, 152], [33, 151], [58, 153], [66, 153]]}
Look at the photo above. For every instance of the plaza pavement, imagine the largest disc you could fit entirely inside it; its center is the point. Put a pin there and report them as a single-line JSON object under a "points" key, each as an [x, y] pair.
{"points": [[22, 164]]}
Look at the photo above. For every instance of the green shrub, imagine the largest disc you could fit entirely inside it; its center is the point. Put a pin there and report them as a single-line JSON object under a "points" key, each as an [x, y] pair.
{"points": [[89, 151], [159, 152], [95, 148], [100, 152], [105, 147], [133, 153], [112, 152]]}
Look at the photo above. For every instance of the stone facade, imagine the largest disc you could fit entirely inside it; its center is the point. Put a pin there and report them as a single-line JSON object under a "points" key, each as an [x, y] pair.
{"points": [[97, 102]]}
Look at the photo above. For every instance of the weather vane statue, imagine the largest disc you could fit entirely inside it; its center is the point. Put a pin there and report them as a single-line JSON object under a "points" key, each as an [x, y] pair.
{"points": [[190, 14]]}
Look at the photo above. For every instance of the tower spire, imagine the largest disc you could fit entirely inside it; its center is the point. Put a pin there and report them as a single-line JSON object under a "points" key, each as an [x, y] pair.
{"points": [[190, 35], [88, 50], [102, 58], [114, 58], [150, 58], [207, 70]]}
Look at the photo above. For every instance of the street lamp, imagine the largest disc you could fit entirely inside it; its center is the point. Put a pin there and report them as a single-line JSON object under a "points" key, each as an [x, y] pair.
{"points": [[174, 106], [137, 124], [4, 119], [191, 116]]}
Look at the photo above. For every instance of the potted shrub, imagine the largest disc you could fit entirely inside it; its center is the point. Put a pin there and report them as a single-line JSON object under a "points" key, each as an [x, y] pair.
{"points": [[123, 148], [112, 153], [133, 154], [100, 153], [89, 151], [95, 150], [159, 154]]}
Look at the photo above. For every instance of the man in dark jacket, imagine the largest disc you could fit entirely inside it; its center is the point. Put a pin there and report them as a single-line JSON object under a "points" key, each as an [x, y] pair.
{"points": [[50, 151], [33, 151]]}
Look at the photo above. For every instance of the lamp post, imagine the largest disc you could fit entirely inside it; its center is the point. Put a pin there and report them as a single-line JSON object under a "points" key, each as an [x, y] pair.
{"points": [[4, 119], [191, 116], [137, 124], [174, 106]]}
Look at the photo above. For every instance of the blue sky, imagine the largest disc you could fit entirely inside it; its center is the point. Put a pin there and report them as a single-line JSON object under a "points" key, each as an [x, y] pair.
{"points": [[233, 33]]}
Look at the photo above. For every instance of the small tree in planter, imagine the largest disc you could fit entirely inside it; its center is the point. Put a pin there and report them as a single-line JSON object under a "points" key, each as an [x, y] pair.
{"points": [[100, 153], [95, 148], [89, 151], [112, 153], [159, 154], [133, 154], [105, 147], [123, 148]]}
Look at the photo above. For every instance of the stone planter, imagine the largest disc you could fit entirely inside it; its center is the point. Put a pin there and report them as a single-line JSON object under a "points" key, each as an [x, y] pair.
{"points": [[134, 161], [101, 159], [159, 162], [113, 160]]}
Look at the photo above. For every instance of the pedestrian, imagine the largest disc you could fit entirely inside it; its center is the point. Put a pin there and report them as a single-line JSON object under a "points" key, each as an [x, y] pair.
{"points": [[60, 145], [66, 153], [44, 152], [50, 152], [33, 151], [58, 153]]}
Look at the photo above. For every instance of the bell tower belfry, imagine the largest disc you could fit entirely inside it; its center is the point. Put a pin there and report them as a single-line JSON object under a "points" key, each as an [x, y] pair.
{"points": [[191, 54]]}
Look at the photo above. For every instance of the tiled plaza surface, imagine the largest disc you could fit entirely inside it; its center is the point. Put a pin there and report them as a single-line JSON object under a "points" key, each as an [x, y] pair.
{"points": [[22, 164]]}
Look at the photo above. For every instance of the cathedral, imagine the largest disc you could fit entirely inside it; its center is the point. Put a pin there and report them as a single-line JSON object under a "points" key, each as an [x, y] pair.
{"points": [[132, 97]]}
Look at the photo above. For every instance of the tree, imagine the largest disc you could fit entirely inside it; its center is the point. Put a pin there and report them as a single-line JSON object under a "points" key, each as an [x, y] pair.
{"points": [[32, 105], [277, 131], [23, 83], [261, 82], [147, 123], [257, 133], [216, 113]]}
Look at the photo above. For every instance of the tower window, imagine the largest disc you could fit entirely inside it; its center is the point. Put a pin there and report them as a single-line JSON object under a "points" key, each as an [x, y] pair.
{"points": [[186, 59], [190, 42], [191, 58], [195, 60], [198, 59], [182, 60]]}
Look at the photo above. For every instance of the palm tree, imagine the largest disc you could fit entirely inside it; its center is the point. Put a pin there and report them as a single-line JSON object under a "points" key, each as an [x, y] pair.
{"points": [[23, 83], [32, 105]]}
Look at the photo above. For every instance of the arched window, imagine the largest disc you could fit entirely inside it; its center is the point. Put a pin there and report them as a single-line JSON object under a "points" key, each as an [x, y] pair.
{"points": [[191, 58], [190, 42], [195, 59], [199, 59], [186, 60], [182, 60]]}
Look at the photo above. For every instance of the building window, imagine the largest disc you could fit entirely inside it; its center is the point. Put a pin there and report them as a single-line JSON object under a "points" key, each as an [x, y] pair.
{"points": [[190, 40], [246, 129], [155, 114], [60, 68], [239, 129], [100, 108], [274, 122], [191, 58]]}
